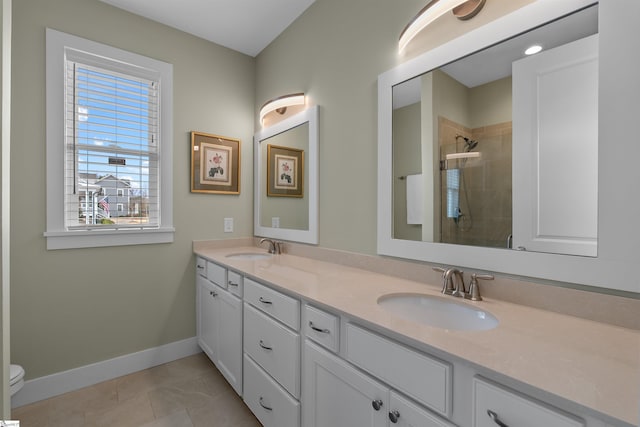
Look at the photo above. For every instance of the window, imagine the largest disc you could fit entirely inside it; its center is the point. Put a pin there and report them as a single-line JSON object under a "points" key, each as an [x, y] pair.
{"points": [[108, 134]]}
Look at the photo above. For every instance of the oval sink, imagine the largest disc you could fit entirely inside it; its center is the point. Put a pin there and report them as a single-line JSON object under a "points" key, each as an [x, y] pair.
{"points": [[438, 311], [249, 255]]}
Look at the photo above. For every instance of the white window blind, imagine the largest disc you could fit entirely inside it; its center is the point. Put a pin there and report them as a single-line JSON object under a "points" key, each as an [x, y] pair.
{"points": [[111, 138]]}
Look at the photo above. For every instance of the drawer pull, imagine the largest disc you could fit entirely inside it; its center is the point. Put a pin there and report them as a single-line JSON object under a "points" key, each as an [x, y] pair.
{"points": [[495, 418], [201, 267], [264, 346], [264, 301], [232, 284], [213, 294], [263, 405], [321, 330], [377, 404], [394, 416]]}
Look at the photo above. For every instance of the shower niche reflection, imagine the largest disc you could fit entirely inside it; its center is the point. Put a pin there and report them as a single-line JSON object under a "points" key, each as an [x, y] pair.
{"points": [[465, 133]]}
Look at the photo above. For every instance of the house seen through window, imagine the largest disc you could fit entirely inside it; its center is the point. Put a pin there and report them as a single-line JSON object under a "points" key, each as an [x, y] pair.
{"points": [[112, 151], [109, 145]]}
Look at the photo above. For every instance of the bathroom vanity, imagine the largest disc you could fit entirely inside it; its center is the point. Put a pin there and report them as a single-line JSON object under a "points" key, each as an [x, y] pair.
{"points": [[319, 350]]}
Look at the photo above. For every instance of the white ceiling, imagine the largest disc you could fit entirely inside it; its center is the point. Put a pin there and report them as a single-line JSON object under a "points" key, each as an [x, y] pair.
{"points": [[247, 26]]}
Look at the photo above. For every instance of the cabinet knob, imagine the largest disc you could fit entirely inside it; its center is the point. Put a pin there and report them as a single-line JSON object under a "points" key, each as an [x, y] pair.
{"points": [[213, 294], [377, 404], [394, 416], [495, 418]]}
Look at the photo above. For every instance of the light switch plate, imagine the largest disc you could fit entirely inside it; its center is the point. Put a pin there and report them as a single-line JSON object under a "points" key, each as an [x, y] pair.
{"points": [[275, 222], [228, 225]]}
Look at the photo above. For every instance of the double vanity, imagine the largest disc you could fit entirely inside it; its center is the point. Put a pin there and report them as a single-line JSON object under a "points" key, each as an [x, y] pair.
{"points": [[313, 343]]}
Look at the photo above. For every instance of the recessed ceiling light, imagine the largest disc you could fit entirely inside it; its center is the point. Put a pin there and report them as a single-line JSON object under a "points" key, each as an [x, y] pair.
{"points": [[533, 50]]}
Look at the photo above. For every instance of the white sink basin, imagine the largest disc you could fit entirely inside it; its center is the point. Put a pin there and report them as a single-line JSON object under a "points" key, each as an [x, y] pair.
{"points": [[442, 312], [249, 255]]}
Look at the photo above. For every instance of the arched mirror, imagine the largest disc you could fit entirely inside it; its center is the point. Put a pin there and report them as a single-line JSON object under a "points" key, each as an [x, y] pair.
{"points": [[286, 179]]}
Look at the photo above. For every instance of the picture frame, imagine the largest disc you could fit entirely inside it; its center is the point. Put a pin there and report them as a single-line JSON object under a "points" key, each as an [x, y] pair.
{"points": [[215, 164], [285, 172]]}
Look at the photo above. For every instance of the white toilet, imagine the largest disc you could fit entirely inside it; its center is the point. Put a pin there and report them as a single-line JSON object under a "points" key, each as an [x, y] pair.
{"points": [[16, 381]]}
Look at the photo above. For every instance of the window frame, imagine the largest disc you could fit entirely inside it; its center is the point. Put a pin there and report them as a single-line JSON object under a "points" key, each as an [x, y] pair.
{"points": [[59, 47]]}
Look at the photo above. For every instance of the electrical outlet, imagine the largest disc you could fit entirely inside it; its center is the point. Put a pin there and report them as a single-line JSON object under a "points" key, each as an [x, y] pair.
{"points": [[228, 225], [275, 222]]}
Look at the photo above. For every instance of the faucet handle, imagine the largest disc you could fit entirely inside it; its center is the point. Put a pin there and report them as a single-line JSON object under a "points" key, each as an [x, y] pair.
{"points": [[474, 289]]}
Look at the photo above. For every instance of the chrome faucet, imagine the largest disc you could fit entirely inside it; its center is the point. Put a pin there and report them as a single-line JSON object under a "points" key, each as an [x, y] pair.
{"points": [[452, 281], [456, 278], [274, 246]]}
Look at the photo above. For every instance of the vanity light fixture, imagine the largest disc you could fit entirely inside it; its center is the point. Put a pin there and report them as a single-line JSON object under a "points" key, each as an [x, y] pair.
{"points": [[532, 50], [462, 9], [280, 104]]}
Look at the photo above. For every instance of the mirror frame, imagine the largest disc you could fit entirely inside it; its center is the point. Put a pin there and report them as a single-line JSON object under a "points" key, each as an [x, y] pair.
{"points": [[614, 265], [310, 115]]}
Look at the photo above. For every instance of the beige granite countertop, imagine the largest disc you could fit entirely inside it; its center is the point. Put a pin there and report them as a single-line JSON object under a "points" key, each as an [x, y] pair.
{"points": [[592, 364]]}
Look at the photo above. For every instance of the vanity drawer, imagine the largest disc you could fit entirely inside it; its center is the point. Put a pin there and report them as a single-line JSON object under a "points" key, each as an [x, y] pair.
{"points": [[234, 282], [217, 274], [514, 409], [275, 348], [417, 375], [201, 266], [322, 327], [276, 304], [267, 400]]}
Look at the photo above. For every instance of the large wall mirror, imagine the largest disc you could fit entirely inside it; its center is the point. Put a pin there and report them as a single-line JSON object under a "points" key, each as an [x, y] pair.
{"points": [[489, 158], [286, 179]]}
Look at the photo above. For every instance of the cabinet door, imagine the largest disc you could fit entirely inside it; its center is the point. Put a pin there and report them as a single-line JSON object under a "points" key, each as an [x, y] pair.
{"points": [[337, 395], [229, 345], [404, 413], [206, 316]]}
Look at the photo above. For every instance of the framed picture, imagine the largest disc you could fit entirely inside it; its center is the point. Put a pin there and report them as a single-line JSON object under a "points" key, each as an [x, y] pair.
{"points": [[215, 164], [285, 172]]}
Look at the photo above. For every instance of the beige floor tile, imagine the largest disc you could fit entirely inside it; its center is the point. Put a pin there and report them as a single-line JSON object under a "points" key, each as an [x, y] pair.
{"points": [[178, 419], [98, 397], [188, 394], [226, 410], [142, 382], [191, 367], [132, 412], [33, 415]]}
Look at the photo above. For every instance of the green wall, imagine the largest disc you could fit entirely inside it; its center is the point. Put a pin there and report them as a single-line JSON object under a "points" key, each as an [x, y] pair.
{"points": [[74, 307], [334, 53], [70, 308]]}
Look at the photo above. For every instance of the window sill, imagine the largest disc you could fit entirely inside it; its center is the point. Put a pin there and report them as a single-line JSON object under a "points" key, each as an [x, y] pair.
{"points": [[104, 238]]}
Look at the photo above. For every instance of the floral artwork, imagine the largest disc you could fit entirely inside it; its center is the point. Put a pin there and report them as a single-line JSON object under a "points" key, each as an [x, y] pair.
{"points": [[216, 160], [215, 164], [285, 170]]}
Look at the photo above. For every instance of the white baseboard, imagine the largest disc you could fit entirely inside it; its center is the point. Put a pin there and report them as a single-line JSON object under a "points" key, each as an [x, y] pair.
{"points": [[84, 376]]}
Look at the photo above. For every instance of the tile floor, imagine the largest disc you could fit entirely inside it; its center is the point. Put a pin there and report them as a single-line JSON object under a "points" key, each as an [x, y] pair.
{"points": [[189, 392]]}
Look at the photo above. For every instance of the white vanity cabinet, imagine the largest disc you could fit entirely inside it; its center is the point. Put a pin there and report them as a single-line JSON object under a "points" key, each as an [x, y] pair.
{"points": [[494, 405], [271, 355], [338, 394], [219, 324]]}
